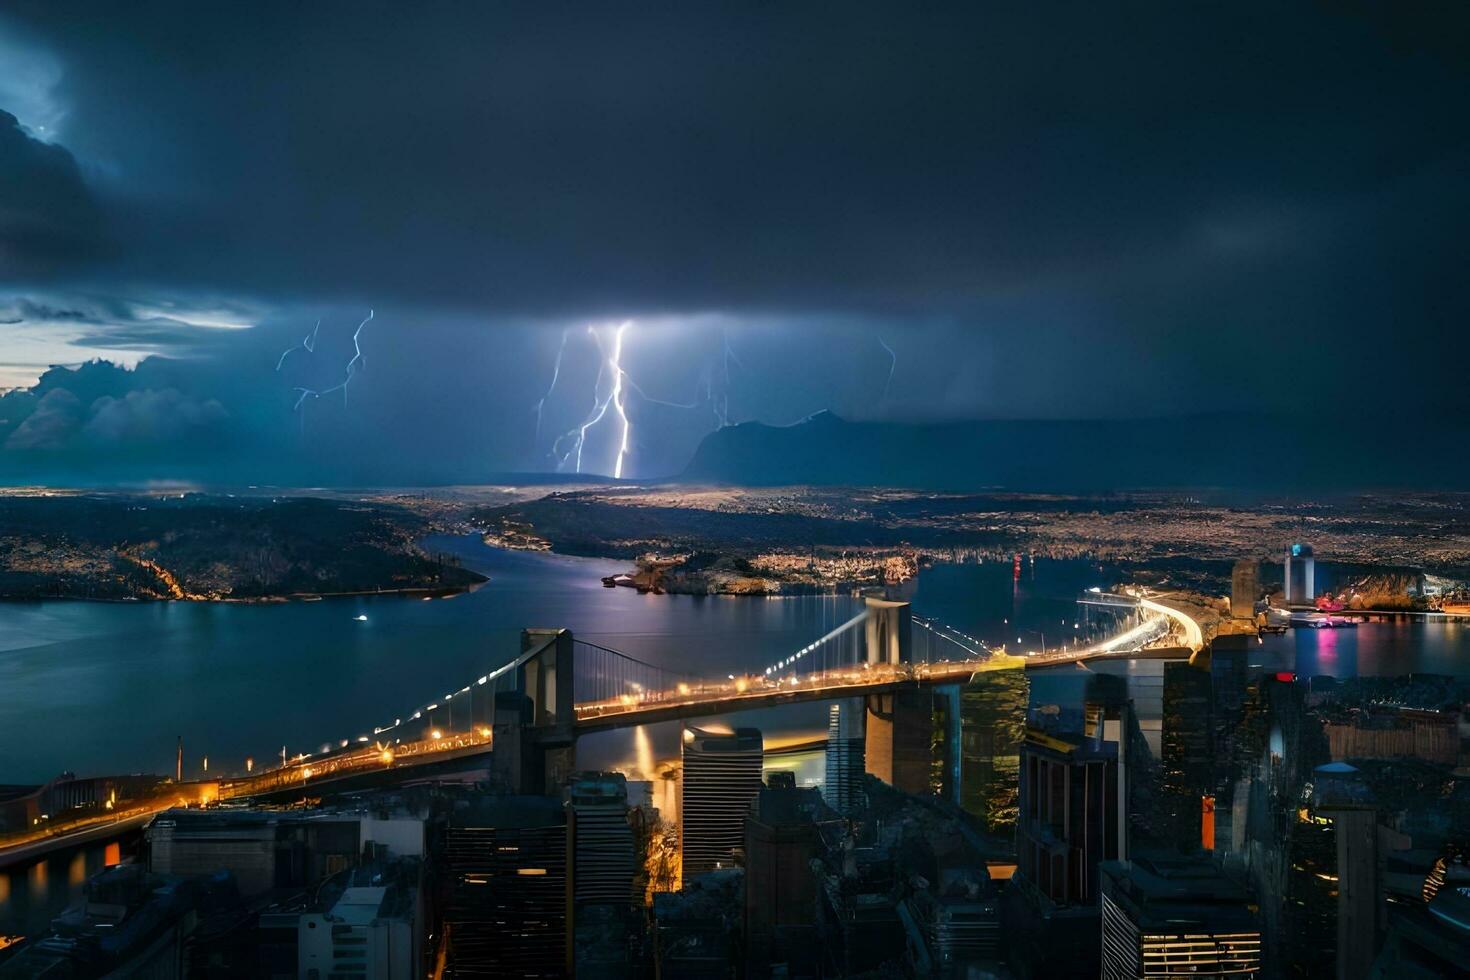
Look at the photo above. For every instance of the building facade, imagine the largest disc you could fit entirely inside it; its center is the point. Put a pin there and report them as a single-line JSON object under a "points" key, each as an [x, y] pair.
{"points": [[720, 776], [1175, 917], [843, 782]]}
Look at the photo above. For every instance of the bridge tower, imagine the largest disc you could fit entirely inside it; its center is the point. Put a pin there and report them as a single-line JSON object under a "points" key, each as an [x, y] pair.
{"points": [[534, 738], [898, 725], [889, 631]]}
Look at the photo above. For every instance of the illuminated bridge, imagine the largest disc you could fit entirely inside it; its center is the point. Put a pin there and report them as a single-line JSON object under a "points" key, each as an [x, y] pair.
{"points": [[532, 709], [522, 719]]}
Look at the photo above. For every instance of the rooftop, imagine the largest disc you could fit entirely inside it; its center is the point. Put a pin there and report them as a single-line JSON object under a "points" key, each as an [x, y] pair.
{"points": [[1175, 894]]}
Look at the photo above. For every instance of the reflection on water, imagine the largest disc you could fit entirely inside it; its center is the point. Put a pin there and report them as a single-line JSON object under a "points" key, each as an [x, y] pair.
{"points": [[31, 896], [39, 880], [642, 767], [76, 873], [1370, 649]]}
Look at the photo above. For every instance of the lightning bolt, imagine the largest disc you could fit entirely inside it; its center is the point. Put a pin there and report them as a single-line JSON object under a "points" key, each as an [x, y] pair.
{"points": [[892, 366], [656, 401], [353, 367], [617, 400], [555, 373], [713, 383], [722, 405], [578, 437], [308, 345]]}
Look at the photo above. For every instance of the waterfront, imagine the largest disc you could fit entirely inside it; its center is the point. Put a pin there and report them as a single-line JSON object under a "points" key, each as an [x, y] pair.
{"points": [[120, 681], [31, 895], [108, 687]]}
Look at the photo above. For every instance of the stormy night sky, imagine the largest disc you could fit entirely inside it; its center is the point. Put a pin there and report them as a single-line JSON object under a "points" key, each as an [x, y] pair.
{"points": [[892, 212]]}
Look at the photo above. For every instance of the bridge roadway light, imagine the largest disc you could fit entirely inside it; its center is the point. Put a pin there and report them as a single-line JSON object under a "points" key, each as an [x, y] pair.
{"points": [[436, 734]]}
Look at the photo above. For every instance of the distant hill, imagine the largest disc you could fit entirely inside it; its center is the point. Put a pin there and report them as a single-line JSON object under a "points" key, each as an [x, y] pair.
{"points": [[1246, 452]]}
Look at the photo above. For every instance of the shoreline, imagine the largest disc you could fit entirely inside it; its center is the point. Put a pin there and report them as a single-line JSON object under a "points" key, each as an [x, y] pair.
{"points": [[423, 592]]}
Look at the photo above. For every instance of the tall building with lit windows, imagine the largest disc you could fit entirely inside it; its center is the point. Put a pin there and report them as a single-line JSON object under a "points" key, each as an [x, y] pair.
{"points": [[1176, 916], [842, 784], [720, 776], [992, 728], [509, 908], [603, 847]]}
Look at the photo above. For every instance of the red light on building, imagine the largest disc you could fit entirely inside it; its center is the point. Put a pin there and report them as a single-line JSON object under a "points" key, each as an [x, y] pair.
{"points": [[1286, 677], [1207, 822]]}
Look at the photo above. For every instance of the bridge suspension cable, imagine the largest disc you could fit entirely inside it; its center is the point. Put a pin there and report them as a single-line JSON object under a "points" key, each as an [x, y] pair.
{"points": [[830, 649], [604, 674], [934, 641], [609, 683]]}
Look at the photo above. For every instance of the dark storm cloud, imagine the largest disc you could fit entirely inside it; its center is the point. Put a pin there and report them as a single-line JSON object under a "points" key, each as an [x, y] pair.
{"points": [[50, 423], [554, 157], [1043, 209], [48, 218]]}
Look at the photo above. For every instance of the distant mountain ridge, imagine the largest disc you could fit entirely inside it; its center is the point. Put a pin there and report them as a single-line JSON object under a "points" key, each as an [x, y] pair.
{"points": [[1220, 450]]}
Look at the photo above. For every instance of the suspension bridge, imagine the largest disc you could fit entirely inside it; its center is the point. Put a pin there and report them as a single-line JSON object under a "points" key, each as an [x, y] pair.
{"points": [[522, 719], [560, 687]]}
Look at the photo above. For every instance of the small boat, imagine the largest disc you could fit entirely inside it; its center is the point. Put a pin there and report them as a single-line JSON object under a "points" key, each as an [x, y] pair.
{"points": [[1321, 621], [360, 618]]}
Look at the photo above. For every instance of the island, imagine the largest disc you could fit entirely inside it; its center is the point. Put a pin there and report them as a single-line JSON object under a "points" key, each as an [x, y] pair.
{"points": [[216, 547]]}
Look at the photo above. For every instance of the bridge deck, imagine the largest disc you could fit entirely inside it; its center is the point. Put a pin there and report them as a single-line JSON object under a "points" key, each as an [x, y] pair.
{"points": [[442, 736]]}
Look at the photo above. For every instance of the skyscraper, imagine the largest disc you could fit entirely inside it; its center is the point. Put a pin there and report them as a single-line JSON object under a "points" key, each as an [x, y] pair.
{"points": [[1341, 796], [508, 911], [843, 782], [721, 774], [604, 860], [1175, 916], [1300, 556], [1068, 825], [1069, 814], [1245, 588], [992, 727], [781, 839], [1188, 769]]}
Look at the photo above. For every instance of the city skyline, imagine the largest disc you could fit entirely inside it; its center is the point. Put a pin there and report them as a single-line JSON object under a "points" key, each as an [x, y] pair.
{"points": [[733, 491]]}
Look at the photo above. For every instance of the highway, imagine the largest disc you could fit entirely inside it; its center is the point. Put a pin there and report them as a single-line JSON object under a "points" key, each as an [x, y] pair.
{"points": [[51, 836]]}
